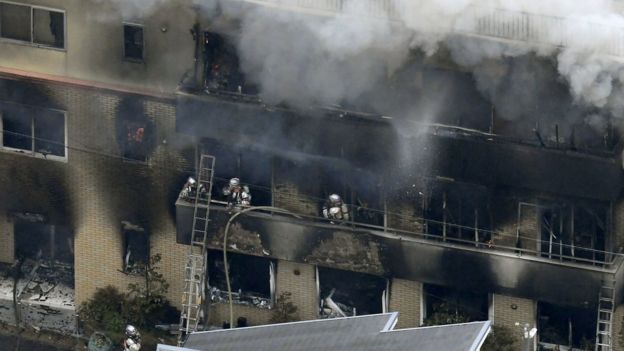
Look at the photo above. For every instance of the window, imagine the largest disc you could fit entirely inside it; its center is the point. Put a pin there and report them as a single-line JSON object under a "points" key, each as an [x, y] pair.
{"points": [[567, 326], [252, 279], [444, 305], [345, 293], [36, 131], [136, 248], [36, 25], [133, 42], [36, 240]]}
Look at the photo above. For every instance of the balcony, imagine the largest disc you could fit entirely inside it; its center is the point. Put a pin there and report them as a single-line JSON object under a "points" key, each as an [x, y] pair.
{"points": [[449, 261], [487, 23]]}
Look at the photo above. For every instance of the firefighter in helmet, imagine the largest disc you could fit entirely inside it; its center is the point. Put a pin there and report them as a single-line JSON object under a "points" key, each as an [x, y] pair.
{"points": [[238, 196], [335, 209], [132, 341]]}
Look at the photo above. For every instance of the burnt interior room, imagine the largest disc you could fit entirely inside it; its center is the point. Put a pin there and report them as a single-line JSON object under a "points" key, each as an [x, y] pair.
{"points": [[574, 230], [571, 326], [444, 305], [458, 210], [136, 248], [253, 167], [221, 65], [33, 129], [251, 278], [135, 131], [353, 293], [42, 241]]}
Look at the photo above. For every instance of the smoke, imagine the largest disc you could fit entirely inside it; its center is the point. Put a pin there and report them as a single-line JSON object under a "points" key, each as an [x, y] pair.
{"points": [[304, 58]]}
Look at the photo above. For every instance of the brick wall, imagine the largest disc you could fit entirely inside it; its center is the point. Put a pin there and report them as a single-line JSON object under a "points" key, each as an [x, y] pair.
{"points": [[618, 320], [509, 310], [288, 197], [300, 280], [7, 249], [406, 298], [95, 189]]}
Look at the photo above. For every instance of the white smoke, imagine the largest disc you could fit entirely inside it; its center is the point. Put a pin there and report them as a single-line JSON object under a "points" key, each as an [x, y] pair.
{"points": [[313, 57]]}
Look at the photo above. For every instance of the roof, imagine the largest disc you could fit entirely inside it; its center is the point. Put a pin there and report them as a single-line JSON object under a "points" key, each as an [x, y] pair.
{"points": [[361, 333]]}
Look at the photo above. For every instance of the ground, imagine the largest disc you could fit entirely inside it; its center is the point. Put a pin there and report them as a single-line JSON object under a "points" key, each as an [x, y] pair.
{"points": [[28, 339]]}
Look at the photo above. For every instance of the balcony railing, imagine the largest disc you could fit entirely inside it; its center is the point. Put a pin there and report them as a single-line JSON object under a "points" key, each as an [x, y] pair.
{"points": [[457, 235], [504, 24]]}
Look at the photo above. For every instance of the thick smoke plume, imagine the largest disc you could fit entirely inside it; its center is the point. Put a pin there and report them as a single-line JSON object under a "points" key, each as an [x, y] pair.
{"points": [[316, 58]]}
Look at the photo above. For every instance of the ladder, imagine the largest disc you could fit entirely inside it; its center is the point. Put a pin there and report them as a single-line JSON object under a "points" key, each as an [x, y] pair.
{"points": [[606, 308], [194, 292]]}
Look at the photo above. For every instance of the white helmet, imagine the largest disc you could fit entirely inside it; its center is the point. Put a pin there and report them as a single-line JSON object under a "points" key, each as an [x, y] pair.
{"points": [[334, 198], [131, 330], [191, 180], [234, 182]]}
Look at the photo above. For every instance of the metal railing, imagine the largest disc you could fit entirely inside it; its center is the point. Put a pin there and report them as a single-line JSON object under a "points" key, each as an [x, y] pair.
{"points": [[440, 232], [487, 22]]}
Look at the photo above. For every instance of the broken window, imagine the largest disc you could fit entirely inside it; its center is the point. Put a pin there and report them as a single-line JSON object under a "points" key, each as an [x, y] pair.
{"points": [[564, 230], [133, 42], [41, 26], [36, 130], [48, 27], [444, 305], [252, 279], [252, 167], [135, 130], [136, 248], [458, 211], [345, 293], [40, 241], [569, 326], [221, 66]]}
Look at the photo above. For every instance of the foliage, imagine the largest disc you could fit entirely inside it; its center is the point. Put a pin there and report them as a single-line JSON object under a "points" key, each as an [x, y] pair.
{"points": [[144, 306], [443, 314], [500, 339], [284, 310]]}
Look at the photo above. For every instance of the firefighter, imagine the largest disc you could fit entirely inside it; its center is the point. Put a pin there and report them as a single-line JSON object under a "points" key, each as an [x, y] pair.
{"points": [[335, 209], [238, 196], [190, 189], [132, 342]]}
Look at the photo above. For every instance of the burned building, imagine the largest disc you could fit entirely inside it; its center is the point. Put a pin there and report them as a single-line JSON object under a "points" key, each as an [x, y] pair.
{"points": [[462, 202]]}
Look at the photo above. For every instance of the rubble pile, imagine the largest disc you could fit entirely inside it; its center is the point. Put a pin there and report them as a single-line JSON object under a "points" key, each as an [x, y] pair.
{"points": [[239, 298]]}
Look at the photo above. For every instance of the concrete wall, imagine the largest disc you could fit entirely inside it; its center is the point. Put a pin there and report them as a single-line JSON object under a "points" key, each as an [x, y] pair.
{"points": [[94, 44], [406, 298]]}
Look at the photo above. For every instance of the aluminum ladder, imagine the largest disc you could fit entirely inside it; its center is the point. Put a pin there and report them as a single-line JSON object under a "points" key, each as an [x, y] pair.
{"points": [[194, 294], [606, 308]]}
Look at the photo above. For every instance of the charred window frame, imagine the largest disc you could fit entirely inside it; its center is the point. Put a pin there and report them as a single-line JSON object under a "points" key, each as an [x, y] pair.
{"points": [[352, 292], [443, 305], [134, 42], [36, 25], [252, 279], [39, 240], [136, 249], [568, 326], [33, 131], [253, 167]]}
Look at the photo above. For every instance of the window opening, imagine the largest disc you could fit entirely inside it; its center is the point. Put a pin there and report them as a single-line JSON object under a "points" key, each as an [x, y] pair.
{"points": [[133, 42], [445, 305], [136, 248], [346, 293], [567, 326], [48, 28], [32, 24], [252, 279]]}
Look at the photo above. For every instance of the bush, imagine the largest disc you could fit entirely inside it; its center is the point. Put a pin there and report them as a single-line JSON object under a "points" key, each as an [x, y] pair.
{"points": [[144, 306], [500, 339], [284, 310]]}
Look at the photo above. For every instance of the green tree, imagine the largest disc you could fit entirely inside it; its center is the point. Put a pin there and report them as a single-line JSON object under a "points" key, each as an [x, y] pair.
{"points": [[500, 339]]}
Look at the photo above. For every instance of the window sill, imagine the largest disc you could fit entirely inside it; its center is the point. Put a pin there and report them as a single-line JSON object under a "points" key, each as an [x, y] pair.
{"points": [[133, 60], [31, 44], [48, 157]]}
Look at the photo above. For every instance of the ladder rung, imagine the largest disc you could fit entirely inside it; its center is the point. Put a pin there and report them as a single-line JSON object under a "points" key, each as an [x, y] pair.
{"points": [[605, 311]]}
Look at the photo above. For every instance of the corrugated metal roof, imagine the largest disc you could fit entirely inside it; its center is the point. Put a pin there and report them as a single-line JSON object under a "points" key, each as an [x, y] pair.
{"points": [[362, 333]]}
